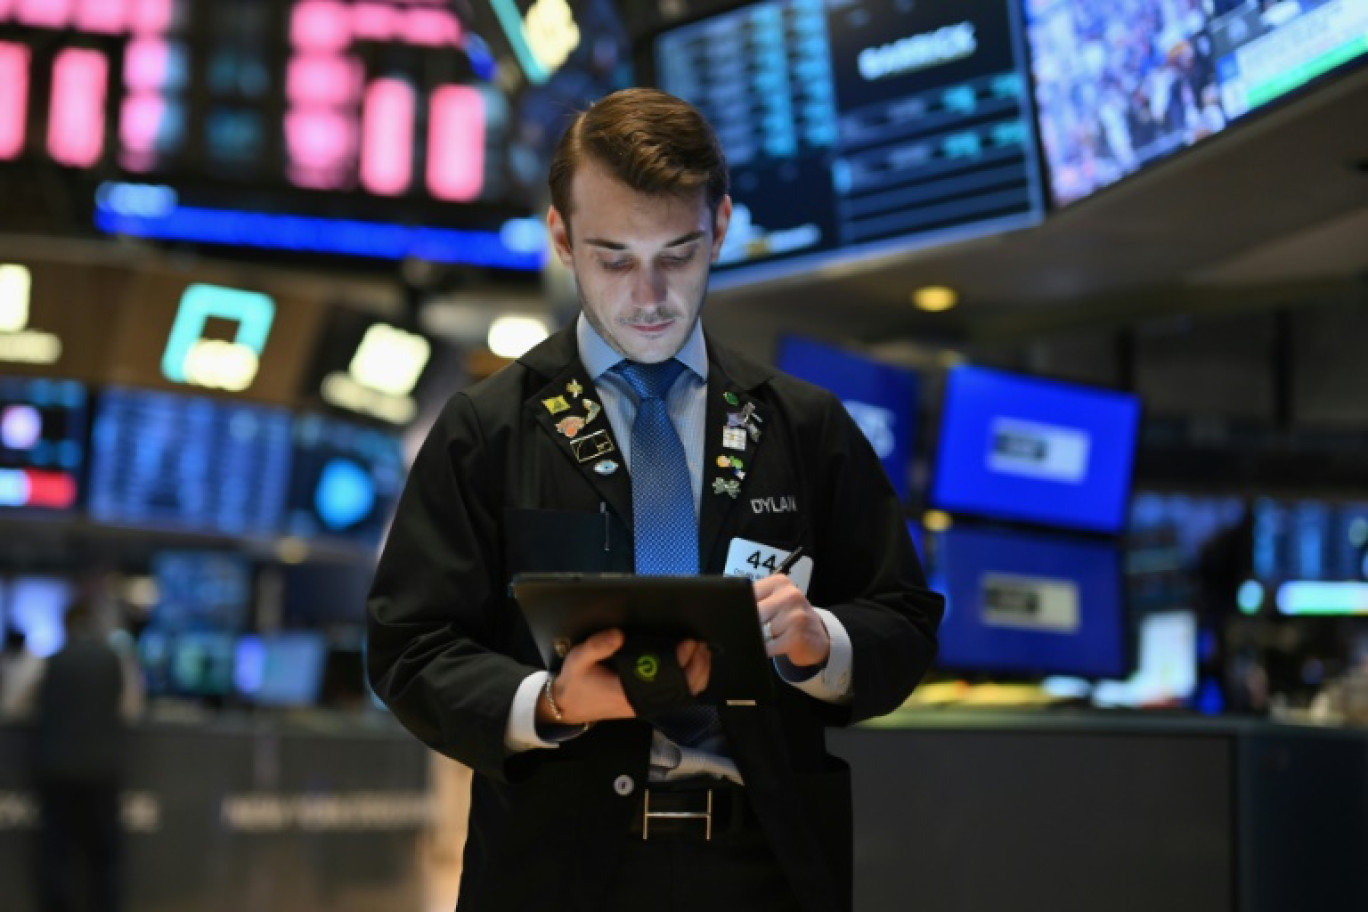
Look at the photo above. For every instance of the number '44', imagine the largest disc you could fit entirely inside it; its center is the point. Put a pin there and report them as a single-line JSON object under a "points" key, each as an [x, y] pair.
{"points": [[767, 564]]}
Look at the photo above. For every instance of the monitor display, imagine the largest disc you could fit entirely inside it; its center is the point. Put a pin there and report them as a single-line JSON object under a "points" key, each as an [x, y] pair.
{"points": [[187, 663], [882, 398], [1309, 557], [345, 481], [1026, 449], [1123, 83], [36, 606], [42, 443], [1025, 604], [857, 129], [1165, 665], [283, 669], [201, 590], [188, 463]]}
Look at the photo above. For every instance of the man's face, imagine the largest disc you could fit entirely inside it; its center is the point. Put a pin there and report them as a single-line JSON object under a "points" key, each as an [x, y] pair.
{"points": [[641, 262]]}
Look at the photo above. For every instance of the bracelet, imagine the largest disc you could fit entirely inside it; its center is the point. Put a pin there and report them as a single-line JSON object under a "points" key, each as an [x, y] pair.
{"points": [[551, 699]]}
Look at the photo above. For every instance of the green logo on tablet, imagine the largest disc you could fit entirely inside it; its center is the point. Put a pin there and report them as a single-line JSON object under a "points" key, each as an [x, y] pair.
{"points": [[647, 667]]}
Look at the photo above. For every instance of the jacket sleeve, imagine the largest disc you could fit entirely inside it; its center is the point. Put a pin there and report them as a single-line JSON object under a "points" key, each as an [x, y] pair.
{"points": [[868, 574], [439, 626]]}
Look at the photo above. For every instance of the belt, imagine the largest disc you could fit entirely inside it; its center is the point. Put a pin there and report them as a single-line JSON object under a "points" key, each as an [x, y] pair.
{"points": [[701, 813]]}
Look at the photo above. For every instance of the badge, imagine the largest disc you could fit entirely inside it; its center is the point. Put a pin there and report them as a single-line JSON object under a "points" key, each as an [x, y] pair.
{"points": [[591, 409], [733, 438], [556, 404], [571, 425], [731, 399], [729, 486], [592, 446], [607, 467], [574, 389]]}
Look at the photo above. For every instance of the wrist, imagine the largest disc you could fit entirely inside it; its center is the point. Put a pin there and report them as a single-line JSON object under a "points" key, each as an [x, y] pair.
{"points": [[547, 707]]}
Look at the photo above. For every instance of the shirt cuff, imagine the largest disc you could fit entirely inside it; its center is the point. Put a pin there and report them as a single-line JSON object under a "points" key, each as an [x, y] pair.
{"points": [[522, 732], [832, 682]]}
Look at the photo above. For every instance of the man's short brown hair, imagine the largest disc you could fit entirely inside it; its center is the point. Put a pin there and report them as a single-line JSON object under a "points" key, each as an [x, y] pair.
{"points": [[653, 142]]}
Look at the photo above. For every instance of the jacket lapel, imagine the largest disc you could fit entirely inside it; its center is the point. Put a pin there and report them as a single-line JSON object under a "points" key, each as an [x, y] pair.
{"points": [[569, 411], [733, 433]]}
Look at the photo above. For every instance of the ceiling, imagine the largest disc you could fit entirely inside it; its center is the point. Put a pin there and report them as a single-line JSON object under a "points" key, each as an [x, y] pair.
{"points": [[1273, 211]]}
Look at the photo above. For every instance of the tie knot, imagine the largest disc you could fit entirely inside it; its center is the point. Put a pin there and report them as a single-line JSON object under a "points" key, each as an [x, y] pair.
{"points": [[649, 381]]}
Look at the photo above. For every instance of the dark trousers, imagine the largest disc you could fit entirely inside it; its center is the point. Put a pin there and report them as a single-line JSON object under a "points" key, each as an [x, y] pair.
{"points": [[678, 871], [80, 846]]}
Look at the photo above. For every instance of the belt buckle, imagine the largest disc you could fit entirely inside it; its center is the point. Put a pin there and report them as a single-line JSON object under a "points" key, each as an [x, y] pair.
{"points": [[705, 815]]}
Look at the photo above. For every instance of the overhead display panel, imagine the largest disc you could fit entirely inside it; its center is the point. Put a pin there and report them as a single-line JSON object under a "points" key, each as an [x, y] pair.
{"points": [[1121, 84], [856, 129]]}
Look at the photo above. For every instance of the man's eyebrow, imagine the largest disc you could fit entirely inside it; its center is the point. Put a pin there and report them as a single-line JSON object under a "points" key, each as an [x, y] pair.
{"points": [[614, 245]]}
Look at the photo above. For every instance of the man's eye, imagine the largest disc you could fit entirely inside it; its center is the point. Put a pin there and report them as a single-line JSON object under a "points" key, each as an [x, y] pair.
{"points": [[676, 260], [616, 265]]}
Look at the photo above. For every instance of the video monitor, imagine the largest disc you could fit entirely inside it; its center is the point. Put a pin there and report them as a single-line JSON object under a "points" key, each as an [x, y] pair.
{"points": [[280, 669], [1020, 448], [345, 481], [1165, 665], [1310, 557], [43, 426], [201, 590], [855, 130], [188, 463], [882, 398], [187, 664], [1030, 604], [1120, 84], [36, 606]]}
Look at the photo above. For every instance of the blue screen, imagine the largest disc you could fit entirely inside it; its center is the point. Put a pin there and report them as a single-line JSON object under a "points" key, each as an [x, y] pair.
{"points": [[344, 482], [189, 463], [1019, 603], [201, 590], [284, 669], [1023, 448], [882, 398], [42, 443]]}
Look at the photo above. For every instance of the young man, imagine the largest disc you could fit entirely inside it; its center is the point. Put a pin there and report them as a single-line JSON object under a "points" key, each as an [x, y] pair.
{"points": [[532, 470]]}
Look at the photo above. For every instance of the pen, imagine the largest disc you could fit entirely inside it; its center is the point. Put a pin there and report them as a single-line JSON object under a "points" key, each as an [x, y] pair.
{"points": [[787, 563]]}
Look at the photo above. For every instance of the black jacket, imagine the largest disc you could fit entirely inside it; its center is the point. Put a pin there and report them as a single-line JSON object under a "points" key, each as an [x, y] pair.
{"points": [[496, 490]]}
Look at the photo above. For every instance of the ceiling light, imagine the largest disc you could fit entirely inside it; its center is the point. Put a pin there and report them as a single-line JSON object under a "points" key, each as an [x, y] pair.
{"points": [[936, 521], [510, 337], [935, 298]]}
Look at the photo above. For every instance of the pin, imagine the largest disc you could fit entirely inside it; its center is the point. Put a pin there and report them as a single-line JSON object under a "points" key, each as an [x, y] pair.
{"points": [[592, 446], [574, 388], [556, 404], [723, 462], [735, 420], [571, 425], [731, 399], [592, 410], [728, 486], [754, 433], [607, 467], [733, 438]]}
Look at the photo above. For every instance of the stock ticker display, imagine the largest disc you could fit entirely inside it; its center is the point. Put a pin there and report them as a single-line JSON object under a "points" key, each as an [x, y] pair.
{"points": [[42, 443], [857, 128]]}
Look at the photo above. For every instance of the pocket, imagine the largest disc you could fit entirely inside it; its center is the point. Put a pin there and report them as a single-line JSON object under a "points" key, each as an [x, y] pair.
{"points": [[565, 541]]}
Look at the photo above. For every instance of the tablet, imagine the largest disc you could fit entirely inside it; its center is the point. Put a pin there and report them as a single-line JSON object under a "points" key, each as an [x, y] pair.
{"points": [[563, 608]]}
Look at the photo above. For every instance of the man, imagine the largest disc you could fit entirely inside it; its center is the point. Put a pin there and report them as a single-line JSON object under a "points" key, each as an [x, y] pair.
{"points": [[532, 470]]}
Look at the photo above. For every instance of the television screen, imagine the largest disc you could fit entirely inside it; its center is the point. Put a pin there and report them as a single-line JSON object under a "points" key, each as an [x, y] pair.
{"points": [[188, 463], [1123, 83], [861, 128], [42, 443], [345, 481], [36, 606], [187, 663], [882, 398], [1174, 542], [201, 590], [1165, 665], [283, 669], [386, 129], [1309, 557], [1022, 448], [1025, 604]]}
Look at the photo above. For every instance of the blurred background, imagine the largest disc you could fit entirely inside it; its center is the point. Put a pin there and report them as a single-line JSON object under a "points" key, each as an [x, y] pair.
{"points": [[1091, 276]]}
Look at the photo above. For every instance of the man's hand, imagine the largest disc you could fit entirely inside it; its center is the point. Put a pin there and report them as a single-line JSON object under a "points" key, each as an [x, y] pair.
{"points": [[586, 690], [793, 628]]}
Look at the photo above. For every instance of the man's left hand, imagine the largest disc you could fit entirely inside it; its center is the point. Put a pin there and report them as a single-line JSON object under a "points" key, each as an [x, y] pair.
{"points": [[793, 628]]}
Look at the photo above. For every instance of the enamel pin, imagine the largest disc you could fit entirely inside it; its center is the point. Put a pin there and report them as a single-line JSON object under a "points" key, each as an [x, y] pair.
{"points": [[734, 438], [556, 404], [574, 389], [606, 467], [727, 486], [592, 446]]}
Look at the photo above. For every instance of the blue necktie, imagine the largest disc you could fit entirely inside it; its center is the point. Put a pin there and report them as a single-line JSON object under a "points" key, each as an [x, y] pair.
{"points": [[665, 523], [663, 517]]}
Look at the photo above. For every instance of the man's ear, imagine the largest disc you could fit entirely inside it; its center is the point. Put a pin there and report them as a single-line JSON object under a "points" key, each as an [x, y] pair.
{"points": [[720, 223], [559, 229]]}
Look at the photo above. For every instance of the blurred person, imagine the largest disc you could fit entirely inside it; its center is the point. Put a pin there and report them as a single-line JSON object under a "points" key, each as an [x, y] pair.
{"points": [[83, 698], [542, 468]]}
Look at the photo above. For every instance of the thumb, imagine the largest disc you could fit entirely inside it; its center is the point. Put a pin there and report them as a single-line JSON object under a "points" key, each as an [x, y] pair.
{"points": [[600, 646]]}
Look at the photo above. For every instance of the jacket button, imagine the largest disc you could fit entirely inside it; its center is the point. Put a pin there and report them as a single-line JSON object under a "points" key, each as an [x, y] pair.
{"points": [[624, 785]]}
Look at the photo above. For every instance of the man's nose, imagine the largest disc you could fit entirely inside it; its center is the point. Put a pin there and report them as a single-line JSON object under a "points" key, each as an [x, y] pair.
{"points": [[649, 286]]}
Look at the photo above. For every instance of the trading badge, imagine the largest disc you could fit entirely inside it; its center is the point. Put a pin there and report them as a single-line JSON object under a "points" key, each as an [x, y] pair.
{"points": [[734, 438], [727, 486], [592, 408], [574, 389], [607, 467], [592, 446], [570, 425], [731, 399], [556, 404]]}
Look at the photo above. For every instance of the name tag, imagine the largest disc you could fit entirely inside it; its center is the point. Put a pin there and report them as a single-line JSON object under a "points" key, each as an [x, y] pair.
{"points": [[754, 560]]}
